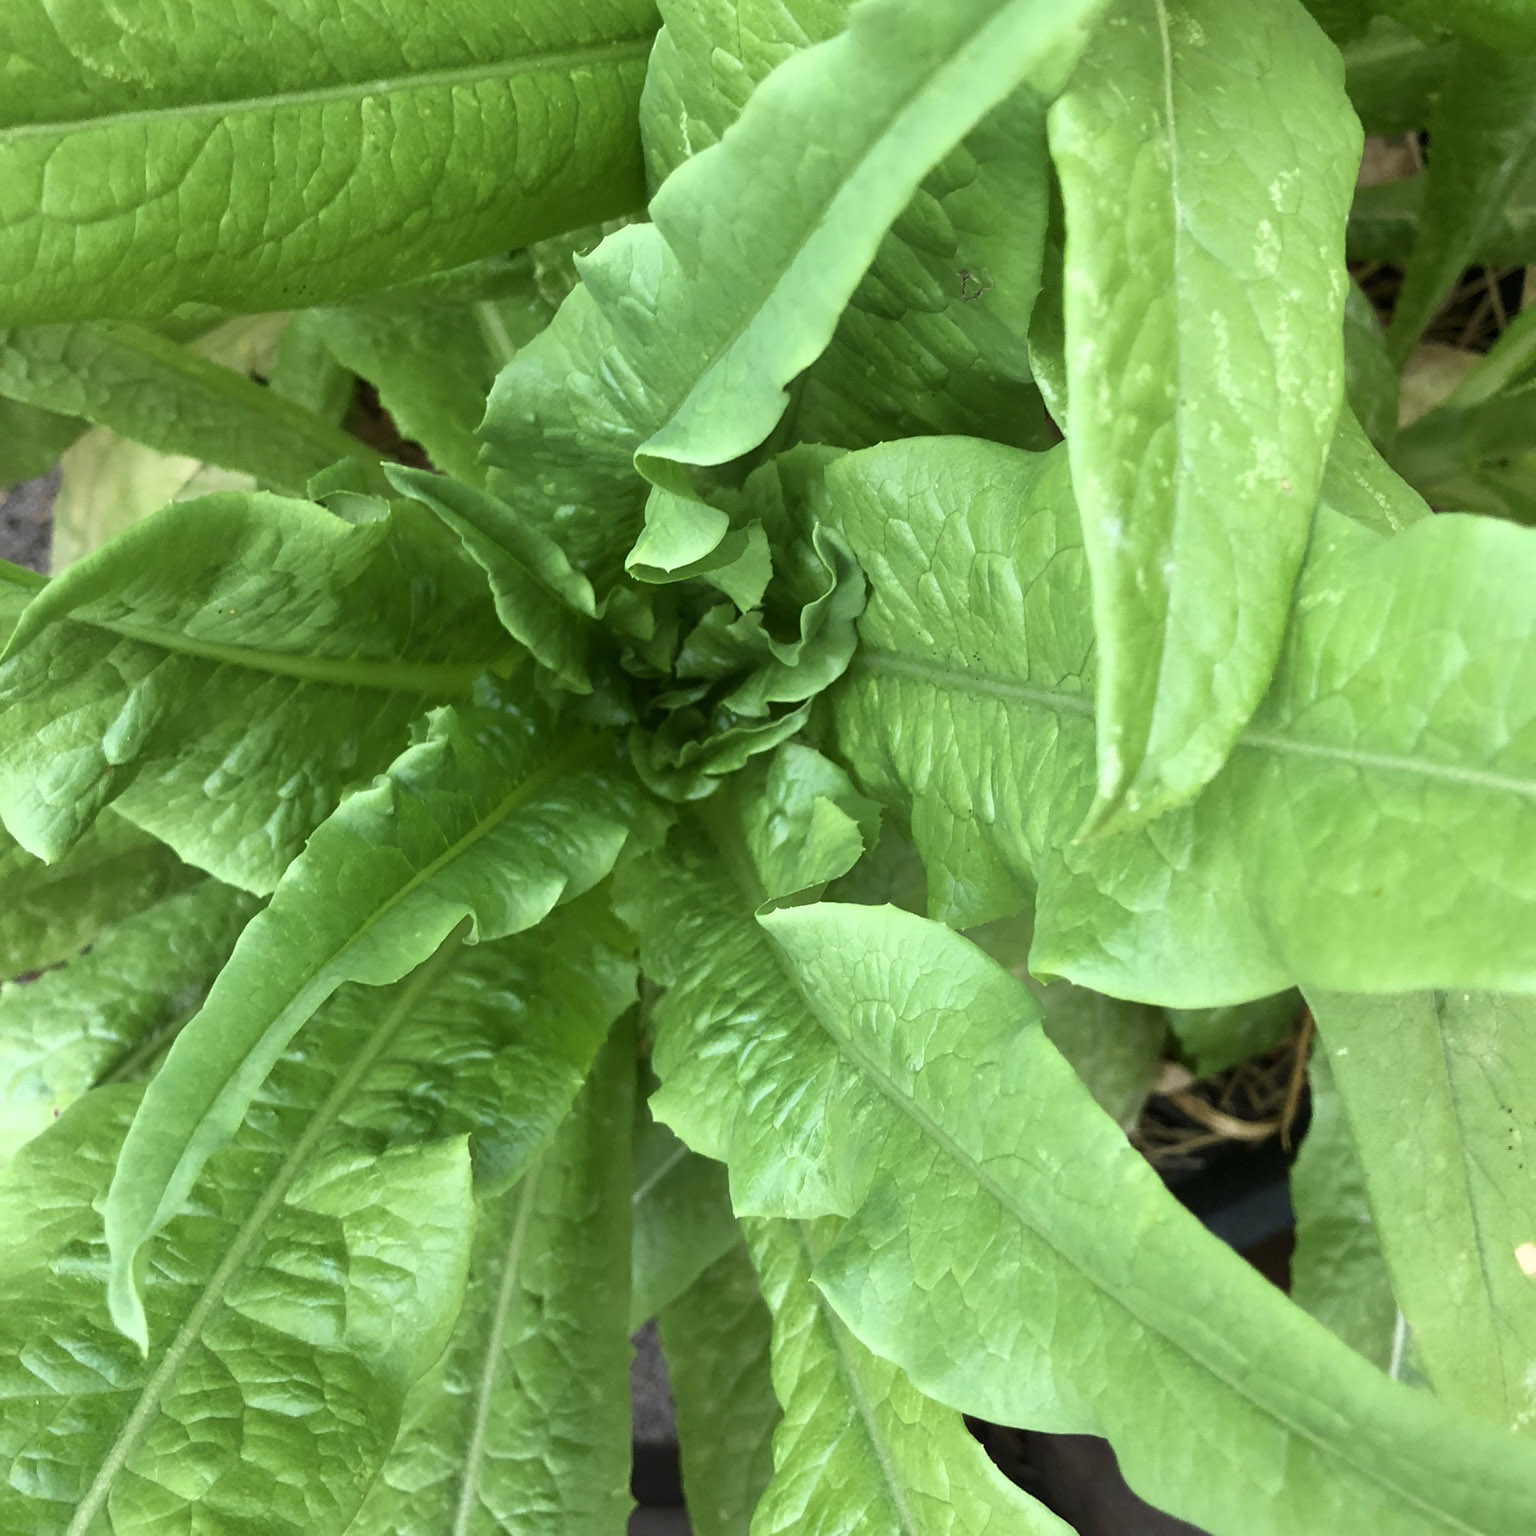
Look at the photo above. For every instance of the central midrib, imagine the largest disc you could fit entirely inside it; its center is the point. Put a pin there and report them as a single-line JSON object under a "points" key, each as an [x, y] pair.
{"points": [[616, 51], [336, 671], [942, 675]]}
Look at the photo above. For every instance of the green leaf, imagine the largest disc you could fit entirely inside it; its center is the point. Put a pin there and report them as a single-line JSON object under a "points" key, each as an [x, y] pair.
{"points": [[1115, 1047], [1371, 382], [495, 817], [542, 601], [1374, 826], [1362, 485], [1020, 1261], [1213, 1040], [225, 670], [1392, 77], [49, 912], [933, 339], [681, 1221], [1337, 1271], [859, 1448], [1204, 295], [524, 1427], [1384, 224], [433, 355], [1440, 1099], [716, 1338], [315, 1279], [678, 348], [110, 1009], [1504, 24], [170, 398], [146, 162], [1483, 136], [31, 441]]}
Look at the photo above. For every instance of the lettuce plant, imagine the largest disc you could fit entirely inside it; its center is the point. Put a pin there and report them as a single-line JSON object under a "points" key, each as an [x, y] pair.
{"points": [[898, 584]]}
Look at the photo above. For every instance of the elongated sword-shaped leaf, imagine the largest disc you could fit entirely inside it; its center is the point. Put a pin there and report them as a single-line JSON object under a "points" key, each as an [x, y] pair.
{"points": [[1019, 1260], [716, 1337], [1204, 295], [1440, 1100], [859, 1448], [1375, 829], [169, 398], [1337, 1271], [496, 817], [280, 153], [224, 670], [1483, 147], [524, 1428]]}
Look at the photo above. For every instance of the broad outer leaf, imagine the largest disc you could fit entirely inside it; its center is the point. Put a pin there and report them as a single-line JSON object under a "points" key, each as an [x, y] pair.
{"points": [[1440, 1097], [1483, 136], [49, 912], [1207, 156], [146, 159], [314, 1280], [495, 817], [226, 669], [716, 1340], [1019, 1260], [111, 1009], [524, 1429], [680, 1213], [1375, 828], [170, 398], [1337, 1271], [859, 1449], [682, 340]]}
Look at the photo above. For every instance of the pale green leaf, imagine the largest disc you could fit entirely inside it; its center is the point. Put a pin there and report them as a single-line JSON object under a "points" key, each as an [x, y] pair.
{"points": [[170, 398], [108, 483], [495, 817], [859, 1448], [111, 1009], [49, 912], [1370, 381], [223, 671], [716, 1340], [145, 159], [681, 1221], [1337, 1271], [316, 1277], [1440, 1100], [1207, 159], [523, 1429], [1483, 145], [686, 332], [1019, 1260], [1375, 828]]}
